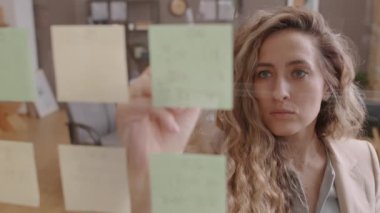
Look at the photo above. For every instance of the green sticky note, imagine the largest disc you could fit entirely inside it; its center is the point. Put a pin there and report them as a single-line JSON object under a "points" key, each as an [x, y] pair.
{"points": [[188, 183], [17, 81], [192, 65]]}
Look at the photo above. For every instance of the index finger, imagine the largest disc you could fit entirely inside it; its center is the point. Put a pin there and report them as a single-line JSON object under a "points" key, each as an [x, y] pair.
{"points": [[141, 86]]}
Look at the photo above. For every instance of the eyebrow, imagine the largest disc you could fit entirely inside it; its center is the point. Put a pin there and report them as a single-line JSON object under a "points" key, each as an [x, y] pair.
{"points": [[264, 65], [294, 62]]}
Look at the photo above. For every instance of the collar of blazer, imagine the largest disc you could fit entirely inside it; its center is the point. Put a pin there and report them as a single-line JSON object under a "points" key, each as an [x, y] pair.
{"points": [[349, 182]]}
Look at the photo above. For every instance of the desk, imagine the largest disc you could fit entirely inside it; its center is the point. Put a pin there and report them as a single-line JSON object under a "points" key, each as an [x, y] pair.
{"points": [[45, 134]]}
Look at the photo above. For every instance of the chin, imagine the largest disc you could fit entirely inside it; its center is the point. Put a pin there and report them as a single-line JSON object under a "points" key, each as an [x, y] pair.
{"points": [[283, 131]]}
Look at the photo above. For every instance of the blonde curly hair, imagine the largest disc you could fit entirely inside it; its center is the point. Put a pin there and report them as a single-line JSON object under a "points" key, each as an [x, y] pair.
{"points": [[258, 180]]}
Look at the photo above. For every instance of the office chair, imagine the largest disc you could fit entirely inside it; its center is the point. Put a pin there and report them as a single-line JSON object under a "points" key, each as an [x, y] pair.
{"points": [[92, 124]]}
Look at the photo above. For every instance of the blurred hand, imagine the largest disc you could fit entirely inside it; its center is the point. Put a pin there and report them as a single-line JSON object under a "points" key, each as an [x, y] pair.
{"points": [[144, 129]]}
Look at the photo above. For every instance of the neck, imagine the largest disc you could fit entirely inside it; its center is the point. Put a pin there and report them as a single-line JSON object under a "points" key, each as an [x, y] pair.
{"points": [[305, 150]]}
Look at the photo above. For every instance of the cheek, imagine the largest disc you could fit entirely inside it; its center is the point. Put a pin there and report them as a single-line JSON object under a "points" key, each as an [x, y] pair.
{"points": [[309, 101], [262, 93], [264, 102], [309, 94], [309, 107]]}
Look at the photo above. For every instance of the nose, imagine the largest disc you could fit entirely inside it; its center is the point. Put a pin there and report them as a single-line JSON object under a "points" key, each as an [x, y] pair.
{"points": [[281, 89]]}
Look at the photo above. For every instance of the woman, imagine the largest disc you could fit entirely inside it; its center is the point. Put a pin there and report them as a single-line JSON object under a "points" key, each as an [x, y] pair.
{"points": [[290, 136]]}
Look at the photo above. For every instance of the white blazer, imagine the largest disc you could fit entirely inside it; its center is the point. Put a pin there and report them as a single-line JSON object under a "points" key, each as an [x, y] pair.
{"points": [[357, 175]]}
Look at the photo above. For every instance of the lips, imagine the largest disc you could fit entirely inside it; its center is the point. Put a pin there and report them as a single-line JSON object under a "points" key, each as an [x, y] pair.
{"points": [[282, 114]]}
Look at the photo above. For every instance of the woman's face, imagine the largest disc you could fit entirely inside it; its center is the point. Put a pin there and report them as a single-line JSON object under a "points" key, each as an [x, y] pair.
{"points": [[288, 83]]}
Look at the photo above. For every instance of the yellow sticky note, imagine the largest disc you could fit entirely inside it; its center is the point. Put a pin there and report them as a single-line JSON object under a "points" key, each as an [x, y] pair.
{"points": [[90, 63], [188, 183], [18, 176], [94, 178], [192, 65]]}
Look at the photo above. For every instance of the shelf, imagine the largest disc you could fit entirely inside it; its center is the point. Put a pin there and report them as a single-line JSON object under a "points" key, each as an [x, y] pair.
{"points": [[140, 14], [141, 2], [138, 26]]}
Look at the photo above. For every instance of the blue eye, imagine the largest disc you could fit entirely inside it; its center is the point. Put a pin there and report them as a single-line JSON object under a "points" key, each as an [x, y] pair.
{"points": [[264, 74], [299, 73]]}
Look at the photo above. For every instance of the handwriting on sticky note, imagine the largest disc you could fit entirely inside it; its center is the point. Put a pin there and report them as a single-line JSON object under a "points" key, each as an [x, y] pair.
{"points": [[94, 178], [192, 65], [18, 176], [188, 183], [90, 63], [16, 72]]}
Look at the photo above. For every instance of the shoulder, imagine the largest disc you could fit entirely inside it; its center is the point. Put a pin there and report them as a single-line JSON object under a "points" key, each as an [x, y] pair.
{"points": [[355, 152], [353, 147], [358, 159]]}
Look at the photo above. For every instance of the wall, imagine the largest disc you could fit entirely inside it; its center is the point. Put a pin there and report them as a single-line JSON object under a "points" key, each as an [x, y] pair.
{"points": [[47, 13], [352, 18], [374, 57]]}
